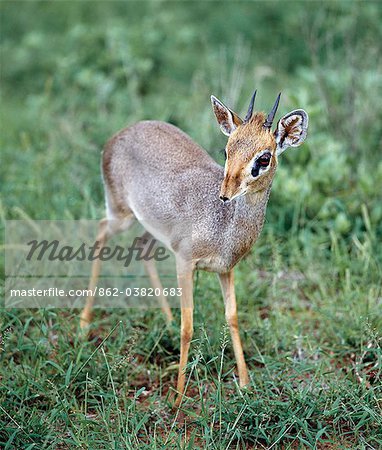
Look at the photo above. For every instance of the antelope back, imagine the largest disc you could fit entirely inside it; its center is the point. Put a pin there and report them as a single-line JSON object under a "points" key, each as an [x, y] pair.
{"points": [[155, 171]]}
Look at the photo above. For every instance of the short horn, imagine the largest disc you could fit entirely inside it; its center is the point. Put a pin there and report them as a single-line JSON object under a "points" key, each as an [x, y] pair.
{"points": [[250, 108], [271, 115]]}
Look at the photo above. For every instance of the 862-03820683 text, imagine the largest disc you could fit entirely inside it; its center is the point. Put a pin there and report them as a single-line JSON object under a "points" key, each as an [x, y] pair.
{"points": [[100, 291]]}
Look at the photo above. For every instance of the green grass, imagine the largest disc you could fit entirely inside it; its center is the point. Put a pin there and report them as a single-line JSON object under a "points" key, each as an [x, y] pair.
{"points": [[309, 294], [311, 333]]}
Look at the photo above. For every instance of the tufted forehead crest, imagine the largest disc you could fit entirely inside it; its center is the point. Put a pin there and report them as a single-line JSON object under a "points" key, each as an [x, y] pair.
{"points": [[257, 119]]}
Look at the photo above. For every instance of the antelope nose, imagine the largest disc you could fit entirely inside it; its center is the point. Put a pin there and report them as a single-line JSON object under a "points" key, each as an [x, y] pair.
{"points": [[224, 199]]}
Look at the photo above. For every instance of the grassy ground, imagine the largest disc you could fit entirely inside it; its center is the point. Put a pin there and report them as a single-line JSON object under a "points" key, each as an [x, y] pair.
{"points": [[311, 326], [309, 294]]}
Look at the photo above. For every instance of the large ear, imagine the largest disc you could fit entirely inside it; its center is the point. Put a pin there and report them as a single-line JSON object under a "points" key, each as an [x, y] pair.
{"points": [[291, 130], [227, 119]]}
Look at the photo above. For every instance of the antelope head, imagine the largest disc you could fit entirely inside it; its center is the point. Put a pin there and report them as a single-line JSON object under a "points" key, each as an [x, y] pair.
{"points": [[252, 148]]}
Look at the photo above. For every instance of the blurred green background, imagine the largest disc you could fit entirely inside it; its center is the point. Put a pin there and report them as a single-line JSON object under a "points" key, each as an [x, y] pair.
{"points": [[75, 73], [72, 74]]}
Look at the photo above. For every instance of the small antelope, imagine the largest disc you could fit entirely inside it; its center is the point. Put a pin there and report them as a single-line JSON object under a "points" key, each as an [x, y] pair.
{"points": [[155, 173]]}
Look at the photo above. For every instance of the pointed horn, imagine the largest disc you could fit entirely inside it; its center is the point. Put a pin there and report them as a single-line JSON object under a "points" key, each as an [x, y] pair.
{"points": [[250, 108], [271, 115]]}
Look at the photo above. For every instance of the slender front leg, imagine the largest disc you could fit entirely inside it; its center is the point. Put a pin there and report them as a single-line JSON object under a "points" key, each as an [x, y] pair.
{"points": [[228, 289], [185, 283]]}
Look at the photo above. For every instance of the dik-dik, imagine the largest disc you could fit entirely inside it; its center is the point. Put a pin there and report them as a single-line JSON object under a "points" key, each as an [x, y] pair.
{"points": [[207, 215]]}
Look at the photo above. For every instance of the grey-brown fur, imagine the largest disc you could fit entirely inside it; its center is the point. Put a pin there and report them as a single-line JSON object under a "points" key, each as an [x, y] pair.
{"points": [[208, 216], [170, 183]]}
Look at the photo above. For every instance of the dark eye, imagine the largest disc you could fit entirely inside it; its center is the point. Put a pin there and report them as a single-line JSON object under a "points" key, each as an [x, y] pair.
{"points": [[264, 160], [261, 163]]}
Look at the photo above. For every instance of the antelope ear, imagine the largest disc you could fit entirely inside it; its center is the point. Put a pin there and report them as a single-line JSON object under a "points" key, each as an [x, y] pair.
{"points": [[291, 130], [227, 119]]}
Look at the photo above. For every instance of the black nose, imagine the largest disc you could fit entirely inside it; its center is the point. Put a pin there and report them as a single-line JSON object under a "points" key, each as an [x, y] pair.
{"points": [[224, 199]]}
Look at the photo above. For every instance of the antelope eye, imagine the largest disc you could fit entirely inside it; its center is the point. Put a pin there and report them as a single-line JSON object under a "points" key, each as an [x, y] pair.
{"points": [[261, 163], [264, 160]]}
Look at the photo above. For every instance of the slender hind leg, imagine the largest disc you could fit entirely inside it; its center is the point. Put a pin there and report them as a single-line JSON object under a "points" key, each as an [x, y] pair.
{"points": [[101, 240], [107, 228], [152, 272]]}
